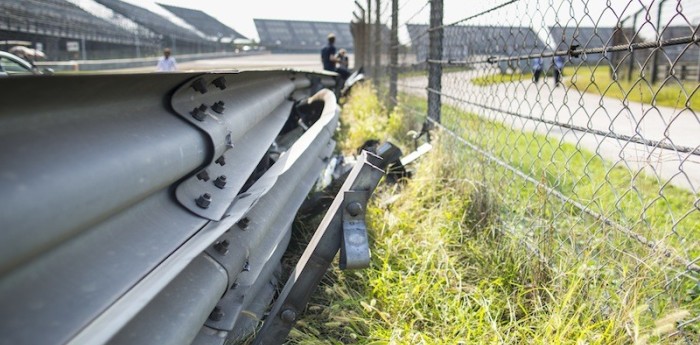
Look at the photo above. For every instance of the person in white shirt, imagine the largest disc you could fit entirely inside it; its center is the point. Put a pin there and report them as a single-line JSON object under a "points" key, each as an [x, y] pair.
{"points": [[166, 63]]}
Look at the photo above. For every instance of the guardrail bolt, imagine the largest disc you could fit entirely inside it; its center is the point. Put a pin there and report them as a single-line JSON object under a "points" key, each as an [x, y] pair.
{"points": [[217, 314], [220, 82], [221, 161], [243, 223], [203, 176], [199, 113], [204, 200], [354, 208], [218, 107], [220, 181], [246, 268], [222, 247], [288, 315], [198, 85]]}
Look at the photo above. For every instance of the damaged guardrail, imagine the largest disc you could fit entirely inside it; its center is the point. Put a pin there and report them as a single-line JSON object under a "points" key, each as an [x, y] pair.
{"points": [[130, 204]]}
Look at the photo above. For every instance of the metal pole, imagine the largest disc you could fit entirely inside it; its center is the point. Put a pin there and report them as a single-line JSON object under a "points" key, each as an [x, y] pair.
{"points": [[655, 64], [360, 46], [377, 43], [394, 60], [369, 38], [631, 64], [435, 53]]}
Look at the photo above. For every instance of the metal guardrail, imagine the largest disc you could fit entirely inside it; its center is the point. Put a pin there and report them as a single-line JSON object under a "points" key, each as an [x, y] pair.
{"points": [[152, 208]]}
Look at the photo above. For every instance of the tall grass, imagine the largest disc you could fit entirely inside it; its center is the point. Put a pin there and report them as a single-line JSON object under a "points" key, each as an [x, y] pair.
{"points": [[465, 252]]}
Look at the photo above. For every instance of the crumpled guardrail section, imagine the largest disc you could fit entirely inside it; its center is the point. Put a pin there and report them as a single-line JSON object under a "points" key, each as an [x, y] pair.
{"points": [[100, 245]]}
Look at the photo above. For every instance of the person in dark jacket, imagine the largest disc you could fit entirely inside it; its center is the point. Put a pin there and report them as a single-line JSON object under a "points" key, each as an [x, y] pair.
{"points": [[329, 58]]}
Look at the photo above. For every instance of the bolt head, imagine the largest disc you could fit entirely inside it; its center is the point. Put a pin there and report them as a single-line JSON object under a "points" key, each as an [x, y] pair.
{"points": [[221, 161], [220, 83], [199, 113], [354, 208], [204, 200], [288, 315], [203, 175], [243, 223], [220, 182], [198, 85]]}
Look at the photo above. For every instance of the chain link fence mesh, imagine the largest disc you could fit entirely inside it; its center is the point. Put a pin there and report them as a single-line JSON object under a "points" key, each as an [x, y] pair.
{"points": [[581, 118]]}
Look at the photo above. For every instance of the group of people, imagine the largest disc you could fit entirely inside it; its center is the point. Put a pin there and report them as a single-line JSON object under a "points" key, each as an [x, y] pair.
{"points": [[335, 61], [538, 66]]}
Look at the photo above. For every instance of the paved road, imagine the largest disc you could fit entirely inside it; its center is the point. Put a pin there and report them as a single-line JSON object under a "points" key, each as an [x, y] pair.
{"points": [[678, 126]]}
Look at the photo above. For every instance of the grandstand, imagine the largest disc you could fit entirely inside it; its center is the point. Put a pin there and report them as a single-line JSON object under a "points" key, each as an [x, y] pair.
{"points": [[461, 41], [691, 56], [205, 23], [54, 25], [180, 39], [301, 36]]}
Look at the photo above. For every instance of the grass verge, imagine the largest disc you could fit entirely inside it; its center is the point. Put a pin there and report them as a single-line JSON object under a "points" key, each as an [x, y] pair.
{"points": [[467, 253], [599, 80]]}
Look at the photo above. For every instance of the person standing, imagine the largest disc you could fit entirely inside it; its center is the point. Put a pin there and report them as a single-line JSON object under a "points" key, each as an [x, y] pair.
{"points": [[558, 68], [537, 68], [166, 63], [329, 59]]}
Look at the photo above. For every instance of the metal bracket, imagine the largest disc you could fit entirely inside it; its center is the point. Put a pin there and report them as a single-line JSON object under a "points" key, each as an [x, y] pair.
{"points": [[342, 227], [354, 249], [200, 102]]}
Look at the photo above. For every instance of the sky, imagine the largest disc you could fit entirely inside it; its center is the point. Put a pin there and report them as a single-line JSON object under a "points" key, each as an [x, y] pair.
{"points": [[239, 14]]}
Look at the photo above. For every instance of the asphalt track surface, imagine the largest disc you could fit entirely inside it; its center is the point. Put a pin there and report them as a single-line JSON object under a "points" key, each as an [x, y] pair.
{"points": [[504, 102], [251, 62]]}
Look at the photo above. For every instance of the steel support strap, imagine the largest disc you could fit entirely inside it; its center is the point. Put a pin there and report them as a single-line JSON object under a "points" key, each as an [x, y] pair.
{"points": [[323, 247]]}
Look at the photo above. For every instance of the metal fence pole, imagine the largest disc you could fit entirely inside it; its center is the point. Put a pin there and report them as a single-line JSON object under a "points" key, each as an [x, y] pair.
{"points": [[634, 30], [655, 64], [360, 38], [435, 54], [394, 51], [377, 43], [368, 41]]}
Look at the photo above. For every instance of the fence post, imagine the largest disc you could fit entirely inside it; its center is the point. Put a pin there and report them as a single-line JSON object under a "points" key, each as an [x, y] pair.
{"points": [[377, 43], [368, 42], [630, 68], [655, 64], [394, 51], [359, 36], [435, 54]]}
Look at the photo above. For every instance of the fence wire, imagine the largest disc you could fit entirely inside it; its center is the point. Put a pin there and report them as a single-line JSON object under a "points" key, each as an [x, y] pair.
{"points": [[582, 117]]}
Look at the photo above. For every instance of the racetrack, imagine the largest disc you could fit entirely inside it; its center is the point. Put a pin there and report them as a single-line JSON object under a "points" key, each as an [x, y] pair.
{"points": [[249, 62]]}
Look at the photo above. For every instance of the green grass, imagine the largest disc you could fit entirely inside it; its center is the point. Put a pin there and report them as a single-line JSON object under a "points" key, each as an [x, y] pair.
{"points": [[501, 78], [599, 80], [465, 252], [672, 93]]}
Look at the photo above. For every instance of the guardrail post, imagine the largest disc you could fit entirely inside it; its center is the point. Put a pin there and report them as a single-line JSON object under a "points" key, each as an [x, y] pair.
{"points": [[435, 55]]}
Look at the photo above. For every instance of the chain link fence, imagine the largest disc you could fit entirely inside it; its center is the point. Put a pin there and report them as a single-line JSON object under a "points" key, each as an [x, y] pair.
{"points": [[581, 118]]}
